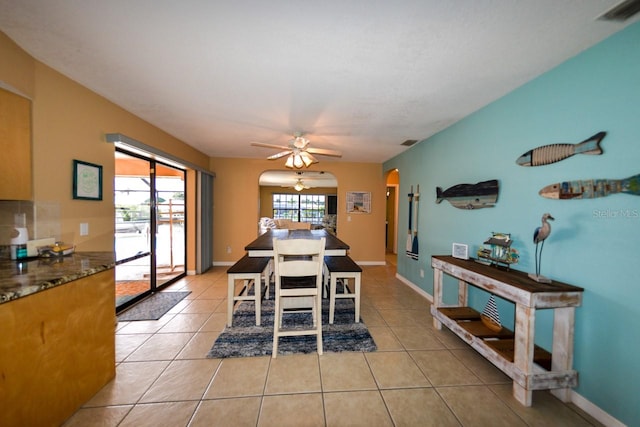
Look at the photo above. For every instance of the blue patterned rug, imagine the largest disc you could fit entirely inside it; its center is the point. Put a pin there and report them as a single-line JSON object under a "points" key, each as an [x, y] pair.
{"points": [[245, 339]]}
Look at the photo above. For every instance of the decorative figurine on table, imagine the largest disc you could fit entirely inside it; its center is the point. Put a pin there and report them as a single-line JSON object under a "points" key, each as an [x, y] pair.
{"points": [[499, 250], [539, 236]]}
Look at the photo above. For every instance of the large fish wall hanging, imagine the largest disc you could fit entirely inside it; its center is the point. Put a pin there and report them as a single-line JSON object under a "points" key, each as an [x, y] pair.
{"points": [[548, 154], [470, 196], [591, 188]]}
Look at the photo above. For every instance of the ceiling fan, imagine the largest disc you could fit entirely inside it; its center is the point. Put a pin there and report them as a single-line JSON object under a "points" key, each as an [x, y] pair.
{"points": [[299, 152], [298, 186]]}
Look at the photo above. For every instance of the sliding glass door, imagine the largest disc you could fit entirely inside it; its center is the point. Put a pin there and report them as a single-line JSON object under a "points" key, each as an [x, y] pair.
{"points": [[149, 226]]}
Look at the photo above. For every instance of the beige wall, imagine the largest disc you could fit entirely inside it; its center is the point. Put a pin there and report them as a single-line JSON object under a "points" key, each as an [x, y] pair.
{"points": [[70, 122], [236, 206]]}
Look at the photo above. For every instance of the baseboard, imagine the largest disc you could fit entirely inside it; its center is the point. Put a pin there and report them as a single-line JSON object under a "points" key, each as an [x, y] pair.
{"points": [[415, 287], [222, 263], [594, 411], [587, 406], [371, 262]]}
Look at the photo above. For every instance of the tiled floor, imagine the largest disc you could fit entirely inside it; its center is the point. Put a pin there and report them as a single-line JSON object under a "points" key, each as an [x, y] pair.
{"points": [[418, 376]]}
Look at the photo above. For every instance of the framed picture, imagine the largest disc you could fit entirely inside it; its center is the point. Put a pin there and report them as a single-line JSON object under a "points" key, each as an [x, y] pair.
{"points": [[460, 250], [358, 202], [87, 181]]}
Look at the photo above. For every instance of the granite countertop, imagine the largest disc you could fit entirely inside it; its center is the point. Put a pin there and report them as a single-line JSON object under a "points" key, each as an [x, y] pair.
{"points": [[19, 279]]}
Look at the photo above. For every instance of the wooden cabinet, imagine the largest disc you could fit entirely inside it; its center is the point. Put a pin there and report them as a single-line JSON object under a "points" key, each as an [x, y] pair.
{"points": [[530, 367], [15, 146], [57, 350]]}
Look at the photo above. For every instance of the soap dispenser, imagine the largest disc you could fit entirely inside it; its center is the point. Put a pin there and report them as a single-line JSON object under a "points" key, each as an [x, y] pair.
{"points": [[19, 237]]}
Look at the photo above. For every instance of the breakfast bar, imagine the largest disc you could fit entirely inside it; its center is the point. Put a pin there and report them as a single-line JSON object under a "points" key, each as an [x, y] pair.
{"points": [[58, 344]]}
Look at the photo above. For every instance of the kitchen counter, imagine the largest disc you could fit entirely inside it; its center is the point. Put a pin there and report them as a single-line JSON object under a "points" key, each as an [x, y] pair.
{"points": [[19, 279]]}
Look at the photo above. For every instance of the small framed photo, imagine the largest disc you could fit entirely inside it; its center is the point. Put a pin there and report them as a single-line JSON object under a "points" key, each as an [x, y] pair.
{"points": [[87, 181], [460, 250], [358, 202]]}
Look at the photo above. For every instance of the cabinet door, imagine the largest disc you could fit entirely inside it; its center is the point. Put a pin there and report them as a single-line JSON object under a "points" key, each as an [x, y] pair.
{"points": [[15, 146]]}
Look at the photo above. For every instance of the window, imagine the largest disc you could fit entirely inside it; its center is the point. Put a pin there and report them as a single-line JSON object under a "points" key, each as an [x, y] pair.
{"points": [[299, 207]]}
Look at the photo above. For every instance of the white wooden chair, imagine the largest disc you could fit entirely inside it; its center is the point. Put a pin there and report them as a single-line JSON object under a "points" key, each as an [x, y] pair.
{"points": [[298, 285]]}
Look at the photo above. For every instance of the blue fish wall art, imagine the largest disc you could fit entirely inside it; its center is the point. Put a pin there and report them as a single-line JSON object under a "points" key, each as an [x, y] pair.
{"points": [[592, 188], [470, 196], [548, 154]]}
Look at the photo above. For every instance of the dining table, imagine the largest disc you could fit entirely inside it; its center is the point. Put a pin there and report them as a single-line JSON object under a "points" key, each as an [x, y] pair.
{"points": [[263, 245]]}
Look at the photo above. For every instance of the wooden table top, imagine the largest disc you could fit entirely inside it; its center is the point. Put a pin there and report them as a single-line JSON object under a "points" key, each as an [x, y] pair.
{"points": [[264, 242], [510, 276]]}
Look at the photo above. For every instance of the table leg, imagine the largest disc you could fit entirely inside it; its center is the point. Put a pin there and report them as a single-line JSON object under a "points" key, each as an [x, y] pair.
{"points": [[562, 352], [523, 351], [437, 295]]}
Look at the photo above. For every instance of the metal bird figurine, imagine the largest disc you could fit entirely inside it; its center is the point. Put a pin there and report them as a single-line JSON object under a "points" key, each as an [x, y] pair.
{"points": [[539, 236]]}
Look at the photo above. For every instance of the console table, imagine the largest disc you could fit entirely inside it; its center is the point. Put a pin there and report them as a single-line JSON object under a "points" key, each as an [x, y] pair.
{"points": [[513, 352]]}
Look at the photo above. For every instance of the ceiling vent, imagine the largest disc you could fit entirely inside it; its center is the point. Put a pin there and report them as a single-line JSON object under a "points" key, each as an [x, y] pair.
{"points": [[623, 11], [409, 142]]}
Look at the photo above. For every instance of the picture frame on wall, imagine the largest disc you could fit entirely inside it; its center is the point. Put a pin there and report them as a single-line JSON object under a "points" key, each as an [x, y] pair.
{"points": [[87, 181], [358, 202]]}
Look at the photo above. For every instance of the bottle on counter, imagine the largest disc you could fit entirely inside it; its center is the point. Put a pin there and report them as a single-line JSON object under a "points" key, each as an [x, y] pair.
{"points": [[19, 237]]}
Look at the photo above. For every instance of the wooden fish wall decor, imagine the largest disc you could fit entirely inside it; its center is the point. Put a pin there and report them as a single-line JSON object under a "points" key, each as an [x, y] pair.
{"points": [[592, 188], [470, 196], [548, 154]]}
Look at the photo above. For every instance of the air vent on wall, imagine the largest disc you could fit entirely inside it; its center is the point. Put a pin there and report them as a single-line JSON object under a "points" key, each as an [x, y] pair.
{"points": [[409, 142], [623, 11]]}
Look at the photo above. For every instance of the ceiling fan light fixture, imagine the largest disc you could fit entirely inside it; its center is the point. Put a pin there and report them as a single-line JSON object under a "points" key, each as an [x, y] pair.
{"points": [[299, 186], [307, 159]]}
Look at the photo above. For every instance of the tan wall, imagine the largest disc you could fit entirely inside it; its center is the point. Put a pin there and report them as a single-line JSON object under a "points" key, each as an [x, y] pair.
{"points": [[267, 192], [236, 206], [70, 122]]}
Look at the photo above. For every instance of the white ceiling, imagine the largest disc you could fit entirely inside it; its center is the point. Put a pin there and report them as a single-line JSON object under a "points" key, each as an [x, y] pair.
{"points": [[359, 76]]}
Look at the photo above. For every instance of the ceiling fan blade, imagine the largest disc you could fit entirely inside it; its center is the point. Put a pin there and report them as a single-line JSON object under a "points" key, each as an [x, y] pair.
{"points": [[280, 154], [324, 152], [261, 144]]}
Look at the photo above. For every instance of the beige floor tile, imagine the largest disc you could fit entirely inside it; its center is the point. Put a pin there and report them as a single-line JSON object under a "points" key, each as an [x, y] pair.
{"points": [[239, 377], [109, 416], [294, 374], [295, 410], [443, 368], [418, 407], [384, 338], [189, 322], [480, 366], [214, 292], [215, 323], [182, 380], [546, 410], [144, 326], [160, 347], [345, 371], [449, 339], [398, 317], [479, 406], [131, 382], [128, 343], [174, 414], [202, 306], [240, 412], [395, 369], [417, 338], [198, 346], [371, 317], [356, 408]]}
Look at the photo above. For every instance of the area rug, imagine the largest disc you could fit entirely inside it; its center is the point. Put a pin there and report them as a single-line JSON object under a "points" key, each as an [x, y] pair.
{"points": [[245, 339], [153, 307]]}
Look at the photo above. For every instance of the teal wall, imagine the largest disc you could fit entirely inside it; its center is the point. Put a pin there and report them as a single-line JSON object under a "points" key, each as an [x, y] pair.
{"points": [[594, 243]]}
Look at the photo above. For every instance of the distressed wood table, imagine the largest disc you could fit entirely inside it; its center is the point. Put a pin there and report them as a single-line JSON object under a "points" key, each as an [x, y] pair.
{"points": [[515, 353]]}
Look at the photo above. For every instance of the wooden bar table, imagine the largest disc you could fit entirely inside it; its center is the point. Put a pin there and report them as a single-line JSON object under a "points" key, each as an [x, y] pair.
{"points": [[263, 245], [530, 367]]}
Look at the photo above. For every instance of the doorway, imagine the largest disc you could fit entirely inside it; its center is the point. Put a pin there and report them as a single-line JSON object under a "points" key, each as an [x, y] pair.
{"points": [[150, 225]]}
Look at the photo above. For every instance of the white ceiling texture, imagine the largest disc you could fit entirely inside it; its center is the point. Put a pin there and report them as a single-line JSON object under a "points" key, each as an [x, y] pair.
{"points": [[358, 76]]}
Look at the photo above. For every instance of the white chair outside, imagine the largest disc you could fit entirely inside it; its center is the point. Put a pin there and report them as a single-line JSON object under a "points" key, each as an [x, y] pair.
{"points": [[298, 261]]}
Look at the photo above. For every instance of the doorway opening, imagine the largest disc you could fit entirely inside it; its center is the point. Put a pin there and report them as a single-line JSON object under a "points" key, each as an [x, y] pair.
{"points": [[150, 225]]}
